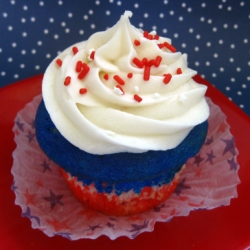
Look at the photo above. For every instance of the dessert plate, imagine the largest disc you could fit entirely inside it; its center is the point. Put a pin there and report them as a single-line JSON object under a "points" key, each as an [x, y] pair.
{"points": [[227, 226]]}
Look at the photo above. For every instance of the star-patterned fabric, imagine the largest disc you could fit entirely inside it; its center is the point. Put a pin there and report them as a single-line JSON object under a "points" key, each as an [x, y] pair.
{"points": [[215, 35], [209, 180]]}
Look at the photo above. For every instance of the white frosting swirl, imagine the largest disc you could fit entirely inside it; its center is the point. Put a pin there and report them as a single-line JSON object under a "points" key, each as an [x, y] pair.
{"points": [[108, 118]]}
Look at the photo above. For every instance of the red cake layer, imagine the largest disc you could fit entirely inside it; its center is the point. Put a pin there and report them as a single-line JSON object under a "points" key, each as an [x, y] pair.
{"points": [[127, 203]]}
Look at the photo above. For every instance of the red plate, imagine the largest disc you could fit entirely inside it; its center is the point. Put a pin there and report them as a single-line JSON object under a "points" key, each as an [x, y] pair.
{"points": [[221, 228]]}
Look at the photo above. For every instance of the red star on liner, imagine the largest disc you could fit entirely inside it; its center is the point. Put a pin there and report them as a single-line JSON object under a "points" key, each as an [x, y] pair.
{"points": [[16, 131], [223, 126], [59, 224], [29, 197], [39, 183], [90, 233], [152, 223], [164, 216], [183, 198], [191, 204], [88, 213], [198, 172], [174, 212]]}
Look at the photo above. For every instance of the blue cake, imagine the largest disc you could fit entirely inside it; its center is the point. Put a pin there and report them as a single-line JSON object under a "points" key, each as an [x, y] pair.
{"points": [[120, 171]]}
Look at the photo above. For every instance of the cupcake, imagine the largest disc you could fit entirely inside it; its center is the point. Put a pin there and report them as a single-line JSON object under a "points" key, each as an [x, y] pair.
{"points": [[121, 115]]}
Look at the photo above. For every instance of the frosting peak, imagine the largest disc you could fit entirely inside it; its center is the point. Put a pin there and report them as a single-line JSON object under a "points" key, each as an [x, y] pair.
{"points": [[123, 90]]}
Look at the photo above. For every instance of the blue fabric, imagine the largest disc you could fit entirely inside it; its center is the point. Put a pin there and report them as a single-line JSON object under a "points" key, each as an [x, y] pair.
{"points": [[215, 35]]}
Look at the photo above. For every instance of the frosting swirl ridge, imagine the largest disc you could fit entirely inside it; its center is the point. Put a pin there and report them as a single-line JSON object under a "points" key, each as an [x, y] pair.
{"points": [[123, 90]]}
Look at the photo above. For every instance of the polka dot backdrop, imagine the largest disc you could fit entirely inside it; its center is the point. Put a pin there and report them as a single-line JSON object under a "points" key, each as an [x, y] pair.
{"points": [[214, 33]]}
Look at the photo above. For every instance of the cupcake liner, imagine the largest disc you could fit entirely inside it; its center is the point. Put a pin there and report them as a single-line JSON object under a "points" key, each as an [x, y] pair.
{"points": [[209, 180]]}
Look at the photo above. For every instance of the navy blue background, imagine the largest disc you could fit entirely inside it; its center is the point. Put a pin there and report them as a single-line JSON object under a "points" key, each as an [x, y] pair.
{"points": [[214, 33]]}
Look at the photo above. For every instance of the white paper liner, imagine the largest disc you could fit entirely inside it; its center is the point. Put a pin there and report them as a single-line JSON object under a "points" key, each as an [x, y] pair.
{"points": [[209, 180]]}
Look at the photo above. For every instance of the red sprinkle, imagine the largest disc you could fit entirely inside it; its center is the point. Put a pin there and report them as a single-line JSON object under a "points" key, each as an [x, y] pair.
{"points": [[83, 91], [150, 37], [84, 71], [156, 37], [106, 76], [130, 75], [59, 62], [145, 34], [179, 71], [167, 78], [119, 87], [78, 66], [75, 50], [161, 45], [67, 80], [138, 63], [146, 74], [92, 55], [170, 47], [85, 66], [137, 42], [119, 79], [144, 61], [150, 63], [157, 61], [137, 98]]}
